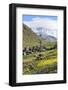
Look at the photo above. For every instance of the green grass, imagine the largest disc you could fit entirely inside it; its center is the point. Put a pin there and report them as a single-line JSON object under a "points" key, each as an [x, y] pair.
{"points": [[33, 66], [46, 62]]}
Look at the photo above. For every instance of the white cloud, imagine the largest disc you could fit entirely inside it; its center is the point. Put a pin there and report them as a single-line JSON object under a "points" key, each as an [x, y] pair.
{"points": [[49, 26]]}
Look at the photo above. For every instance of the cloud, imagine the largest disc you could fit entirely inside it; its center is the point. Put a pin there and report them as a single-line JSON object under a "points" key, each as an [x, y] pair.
{"points": [[49, 26]]}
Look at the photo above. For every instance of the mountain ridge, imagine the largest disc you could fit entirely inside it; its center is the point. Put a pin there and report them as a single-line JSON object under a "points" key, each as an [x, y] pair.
{"points": [[31, 39]]}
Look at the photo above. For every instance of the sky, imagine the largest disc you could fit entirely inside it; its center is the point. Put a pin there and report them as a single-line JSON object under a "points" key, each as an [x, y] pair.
{"points": [[30, 17], [42, 24]]}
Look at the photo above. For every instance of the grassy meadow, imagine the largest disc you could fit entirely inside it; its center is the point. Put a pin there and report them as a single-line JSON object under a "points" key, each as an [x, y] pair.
{"points": [[48, 64]]}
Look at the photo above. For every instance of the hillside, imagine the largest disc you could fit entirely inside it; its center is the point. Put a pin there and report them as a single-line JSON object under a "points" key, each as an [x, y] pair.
{"points": [[29, 37]]}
